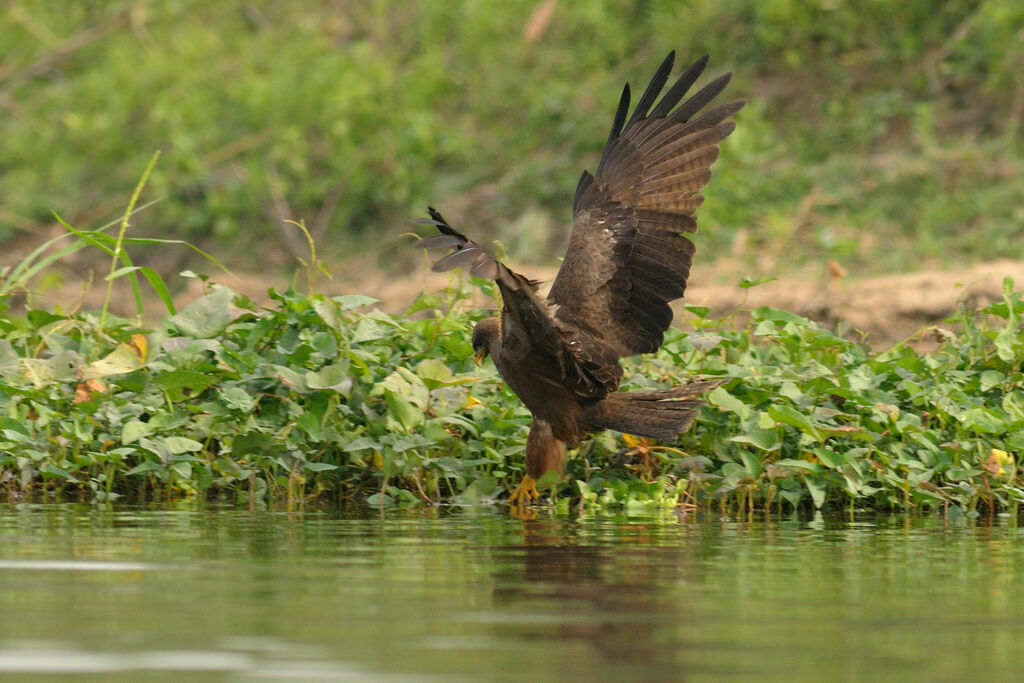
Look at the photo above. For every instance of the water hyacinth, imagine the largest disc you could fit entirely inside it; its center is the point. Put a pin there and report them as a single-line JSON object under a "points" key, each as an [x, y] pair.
{"points": [[317, 397]]}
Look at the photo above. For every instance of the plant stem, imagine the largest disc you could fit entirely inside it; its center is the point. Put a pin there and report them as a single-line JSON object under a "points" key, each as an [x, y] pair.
{"points": [[120, 237]]}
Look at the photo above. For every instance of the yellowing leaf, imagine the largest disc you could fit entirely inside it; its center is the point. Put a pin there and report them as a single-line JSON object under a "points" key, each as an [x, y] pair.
{"points": [[998, 462], [630, 440], [123, 359], [139, 344]]}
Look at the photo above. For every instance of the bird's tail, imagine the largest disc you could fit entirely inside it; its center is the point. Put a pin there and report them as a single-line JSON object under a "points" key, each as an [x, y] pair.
{"points": [[662, 415]]}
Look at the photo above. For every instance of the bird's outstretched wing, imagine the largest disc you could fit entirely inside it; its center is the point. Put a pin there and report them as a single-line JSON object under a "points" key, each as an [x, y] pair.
{"points": [[627, 256], [526, 324]]}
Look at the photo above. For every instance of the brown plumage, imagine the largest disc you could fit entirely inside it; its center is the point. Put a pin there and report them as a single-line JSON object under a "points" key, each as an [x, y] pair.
{"points": [[627, 259]]}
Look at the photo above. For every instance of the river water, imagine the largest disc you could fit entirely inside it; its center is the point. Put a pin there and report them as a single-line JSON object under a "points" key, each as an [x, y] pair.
{"points": [[466, 594]]}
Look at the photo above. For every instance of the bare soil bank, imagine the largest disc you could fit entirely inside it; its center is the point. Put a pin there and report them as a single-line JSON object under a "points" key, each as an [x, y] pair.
{"points": [[881, 309]]}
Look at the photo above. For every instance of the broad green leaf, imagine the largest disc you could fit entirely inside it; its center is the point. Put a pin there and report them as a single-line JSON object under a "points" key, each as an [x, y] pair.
{"points": [[183, 468], [434, 372], [789, 416], [361, 444], [752, 463], [180, 444], [318, 466], [367, 330], [51, 470], [765, 439], [991, 378], [237, 398], [800, 464], [133, 429], [424, 302], [291, 379], [403, 382], [727, 402], [207, 316], [817, 488], [407, 414], [182, 384], [145, 467], [334, 377], [62, 366], [348, 302], [774, 314], [830, 458], [327, 309]]}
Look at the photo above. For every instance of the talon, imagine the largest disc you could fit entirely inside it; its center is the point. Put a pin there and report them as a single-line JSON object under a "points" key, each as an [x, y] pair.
{"points": [[526, 492]]}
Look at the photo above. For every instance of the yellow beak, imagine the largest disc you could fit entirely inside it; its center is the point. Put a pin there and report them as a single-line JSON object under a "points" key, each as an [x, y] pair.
{"points": [[479, 356]]}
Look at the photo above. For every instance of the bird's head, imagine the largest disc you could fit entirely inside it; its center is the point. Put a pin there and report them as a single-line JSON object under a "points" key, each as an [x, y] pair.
{"points": [[486, 332]]}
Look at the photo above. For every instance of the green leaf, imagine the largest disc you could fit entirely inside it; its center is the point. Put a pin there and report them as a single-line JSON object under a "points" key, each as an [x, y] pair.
{"points": [[333, 377], [291, 379], [434, 372], [817, 488], [180, 444], [121, 272], [144, 467], [402, 382], [133, 429], [52, 471], [366, 330], [238, 399], [800, 464], [62, 366], [776, 315], [727, 402], [746, 282], [789, 416], [182, 384], [408, 415], [318, 466], [424, 302], [765, 439], [347, 302], [830, 458], [207, 316], [361, 444], [158, 285], [752, 463], [183, 468]]}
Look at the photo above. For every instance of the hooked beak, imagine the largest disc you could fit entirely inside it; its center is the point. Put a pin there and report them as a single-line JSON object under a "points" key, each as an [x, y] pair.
{"points": [[479, 356]]}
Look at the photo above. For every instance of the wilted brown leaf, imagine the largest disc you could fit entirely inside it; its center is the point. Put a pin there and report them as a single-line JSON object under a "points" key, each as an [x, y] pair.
{"points": [[85, 391]]}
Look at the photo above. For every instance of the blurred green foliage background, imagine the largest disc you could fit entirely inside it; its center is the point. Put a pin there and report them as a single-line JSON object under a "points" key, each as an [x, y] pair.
{"points": [[881, 133]]}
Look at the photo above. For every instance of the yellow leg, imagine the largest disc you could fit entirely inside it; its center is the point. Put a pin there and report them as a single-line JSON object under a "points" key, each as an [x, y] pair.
{"points": [[526, 492]]}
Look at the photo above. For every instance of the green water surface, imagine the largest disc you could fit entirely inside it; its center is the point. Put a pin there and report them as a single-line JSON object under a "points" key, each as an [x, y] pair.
{"points": [[206, 593]]}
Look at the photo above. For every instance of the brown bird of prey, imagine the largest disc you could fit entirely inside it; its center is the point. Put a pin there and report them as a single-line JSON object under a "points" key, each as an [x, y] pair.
{"points": [[627, 259]]}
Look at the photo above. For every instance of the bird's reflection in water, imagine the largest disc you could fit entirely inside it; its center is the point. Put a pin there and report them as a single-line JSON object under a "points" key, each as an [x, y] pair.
{"points": [[613, 595]]}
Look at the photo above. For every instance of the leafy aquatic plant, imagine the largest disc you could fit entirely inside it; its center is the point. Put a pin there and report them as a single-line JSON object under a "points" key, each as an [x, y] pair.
{"points": [[317, 396]]}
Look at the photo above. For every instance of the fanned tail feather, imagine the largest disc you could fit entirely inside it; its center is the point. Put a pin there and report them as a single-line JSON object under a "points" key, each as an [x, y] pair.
{"points": [[663, 414]]}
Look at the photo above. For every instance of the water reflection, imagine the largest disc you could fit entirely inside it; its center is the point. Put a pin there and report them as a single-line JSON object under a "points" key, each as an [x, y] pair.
{"points": [[609, 593], [470, 594]]}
